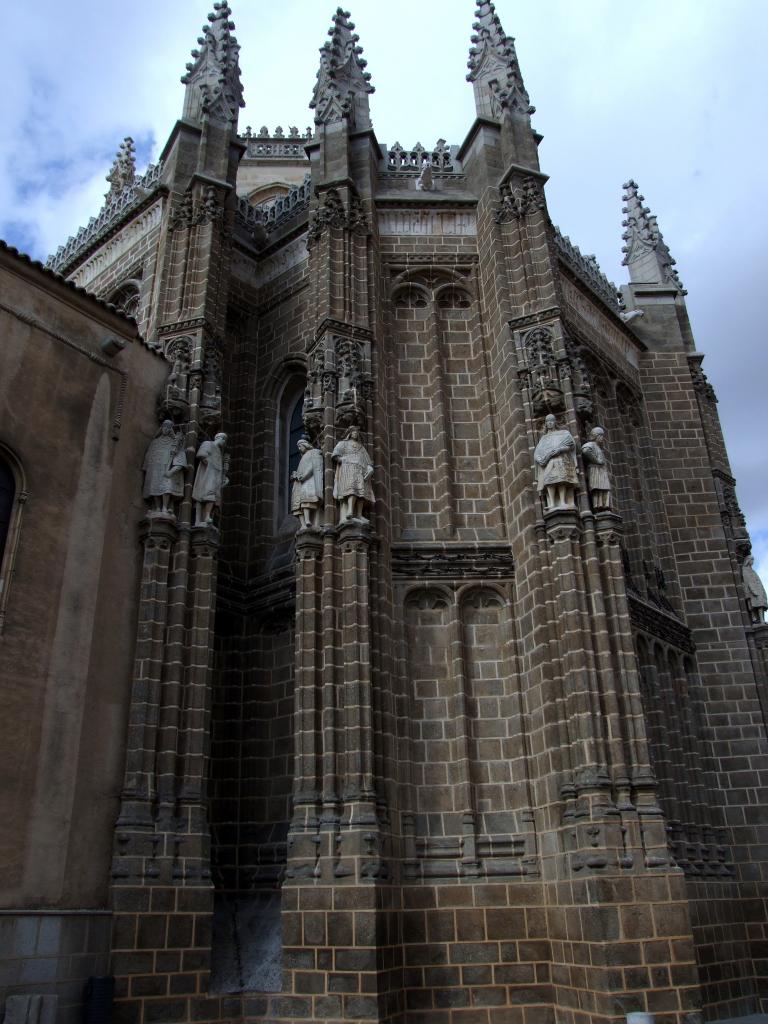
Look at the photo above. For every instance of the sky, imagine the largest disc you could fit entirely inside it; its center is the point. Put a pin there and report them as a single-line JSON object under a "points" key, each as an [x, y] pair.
{"points": [[668, 92]]}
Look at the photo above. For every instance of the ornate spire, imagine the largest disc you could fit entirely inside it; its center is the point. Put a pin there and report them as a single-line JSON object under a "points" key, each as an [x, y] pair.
{"points": [[123, 173], [494, 69], [645, 253], [213, 83], [343, 84]]}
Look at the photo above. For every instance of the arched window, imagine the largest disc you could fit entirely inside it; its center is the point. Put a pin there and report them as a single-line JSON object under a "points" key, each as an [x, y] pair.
{"points": [[7, 494], [12, 498], [295, 434], [289, 430], [127, 298], [453, 298]]}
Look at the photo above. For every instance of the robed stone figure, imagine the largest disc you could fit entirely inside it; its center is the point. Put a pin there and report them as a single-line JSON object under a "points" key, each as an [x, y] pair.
{"points": [[354, 469], [210, 478], [164, 465], [557, 476], [307, 491], [598, 481], [757, 600]]}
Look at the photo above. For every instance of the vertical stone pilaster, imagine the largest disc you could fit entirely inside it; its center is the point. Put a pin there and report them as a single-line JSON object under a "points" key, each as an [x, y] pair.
{"points": [[303, 841], [158, 536]]}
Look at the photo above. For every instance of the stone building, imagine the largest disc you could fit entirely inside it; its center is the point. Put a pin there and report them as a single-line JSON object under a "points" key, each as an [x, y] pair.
{"points": [[454, 713]]}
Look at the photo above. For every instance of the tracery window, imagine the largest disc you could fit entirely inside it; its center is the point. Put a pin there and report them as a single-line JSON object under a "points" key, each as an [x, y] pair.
{"points": [[453, 298], [127, 298]]}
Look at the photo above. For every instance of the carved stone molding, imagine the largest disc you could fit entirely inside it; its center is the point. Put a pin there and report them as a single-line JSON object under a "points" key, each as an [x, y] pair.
{"points": [[562, 525], [448, 259], [453, 563], [181, 325], [544, 315]]}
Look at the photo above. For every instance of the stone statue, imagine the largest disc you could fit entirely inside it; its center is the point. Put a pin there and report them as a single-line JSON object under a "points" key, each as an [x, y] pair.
{"points": [[354, 469], [307, 492], [426, 181], [757, 600], [598, 481], [210, 478], [163, 467], [555, 459]]}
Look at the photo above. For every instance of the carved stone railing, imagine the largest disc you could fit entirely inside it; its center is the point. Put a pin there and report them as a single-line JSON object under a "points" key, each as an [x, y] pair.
{"points": [[266, 217], [439, 158], [249, 217], [276, 145], [279, 210], [587, 269], [115, 207]]}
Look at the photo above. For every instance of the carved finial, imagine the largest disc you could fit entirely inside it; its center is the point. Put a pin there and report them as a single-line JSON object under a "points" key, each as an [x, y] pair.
{"points": [[123, 172], [494, 69], [213, 83], [645, 251], [343, 84]]}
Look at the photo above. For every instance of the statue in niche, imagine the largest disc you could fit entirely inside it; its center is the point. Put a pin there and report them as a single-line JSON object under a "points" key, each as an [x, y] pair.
{"points": [[210, 478], [757, 600], [163, 467], [354, 470], [307, 491], [598, 481], [557, 475]]}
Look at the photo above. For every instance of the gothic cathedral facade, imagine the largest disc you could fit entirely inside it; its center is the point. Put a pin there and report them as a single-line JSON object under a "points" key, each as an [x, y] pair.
{"points": [[439, 695]]}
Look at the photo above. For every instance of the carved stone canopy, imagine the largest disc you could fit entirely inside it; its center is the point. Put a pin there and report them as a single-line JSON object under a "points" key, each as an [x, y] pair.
{"points": [[343, 85]]}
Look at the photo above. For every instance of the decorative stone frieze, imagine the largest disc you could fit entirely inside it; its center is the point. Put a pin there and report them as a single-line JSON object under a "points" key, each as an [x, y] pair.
{"points": [[453, 563]]}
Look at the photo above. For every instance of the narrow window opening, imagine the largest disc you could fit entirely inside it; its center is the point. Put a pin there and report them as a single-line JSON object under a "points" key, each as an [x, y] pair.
{"points": [[7, 496]]}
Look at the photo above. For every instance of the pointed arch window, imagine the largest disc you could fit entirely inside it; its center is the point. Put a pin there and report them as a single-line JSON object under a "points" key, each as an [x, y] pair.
{"points": [[289, 429], [295, 434], [7, 495], [12, 499]]}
